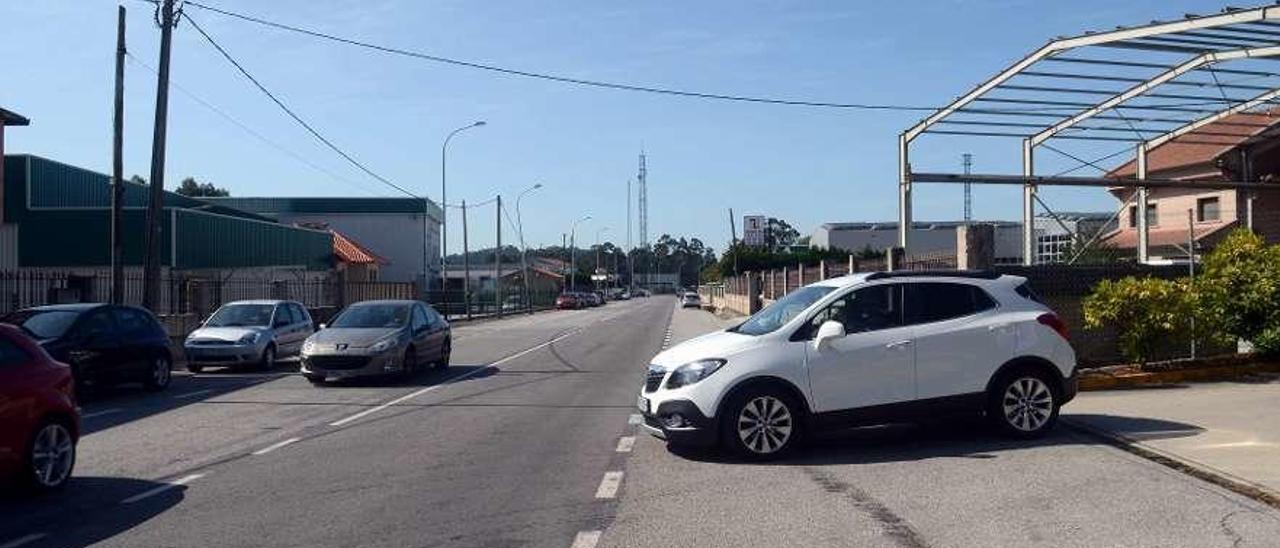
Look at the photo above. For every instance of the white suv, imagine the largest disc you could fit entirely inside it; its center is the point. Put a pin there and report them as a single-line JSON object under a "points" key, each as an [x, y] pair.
{"points": [[866, 349]]}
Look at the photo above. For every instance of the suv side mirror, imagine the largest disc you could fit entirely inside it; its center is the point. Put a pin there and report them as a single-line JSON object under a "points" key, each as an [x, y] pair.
{"points": [[830, 330]]}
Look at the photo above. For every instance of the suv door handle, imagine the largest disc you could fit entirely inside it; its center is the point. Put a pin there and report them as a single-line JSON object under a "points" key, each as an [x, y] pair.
{"points": [[897, 344]]}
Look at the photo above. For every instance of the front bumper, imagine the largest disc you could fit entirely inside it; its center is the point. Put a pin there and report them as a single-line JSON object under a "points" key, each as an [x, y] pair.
{"points": [[223, 354], [697, 430], [350, 365]]}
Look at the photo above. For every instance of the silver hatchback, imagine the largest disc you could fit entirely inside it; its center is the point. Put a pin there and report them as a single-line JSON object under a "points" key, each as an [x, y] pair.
{"points": [[248, 333], [374, 338]]}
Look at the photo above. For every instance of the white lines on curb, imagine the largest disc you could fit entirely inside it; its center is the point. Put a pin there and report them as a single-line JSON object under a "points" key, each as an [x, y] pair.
{"points": [[609, 485], [586, 539], [475, 371], [192, 394], [171, 485], [22, 541], [97, 414], [275, 446], [634, 419], [625, 443]]}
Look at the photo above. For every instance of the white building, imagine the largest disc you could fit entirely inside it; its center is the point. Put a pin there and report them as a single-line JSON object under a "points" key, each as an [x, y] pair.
{"points": [[390, 227], [1054, 236], [926, 237]]}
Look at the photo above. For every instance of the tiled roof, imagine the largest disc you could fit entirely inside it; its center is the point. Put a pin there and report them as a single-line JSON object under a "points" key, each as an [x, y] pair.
{"points": [[351, 252], [1128, 238], [1203, 147]]}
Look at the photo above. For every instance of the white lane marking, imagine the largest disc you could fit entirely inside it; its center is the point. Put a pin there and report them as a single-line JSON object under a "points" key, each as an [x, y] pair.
{"points": [[97, 414], [192, 394], [586, 539], [634, 419], [609, 485], [275, 446], [156, 491], [20, 541], [625, 443], [475, 371]]}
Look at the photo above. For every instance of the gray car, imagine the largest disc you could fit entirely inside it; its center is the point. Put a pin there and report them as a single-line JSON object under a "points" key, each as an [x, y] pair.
{"points": [[374, 338], [248, 333]]}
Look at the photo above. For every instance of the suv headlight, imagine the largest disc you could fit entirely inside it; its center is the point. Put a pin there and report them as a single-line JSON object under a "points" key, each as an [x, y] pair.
{"points": [[250, 338], [384, 345], [693, 372]]}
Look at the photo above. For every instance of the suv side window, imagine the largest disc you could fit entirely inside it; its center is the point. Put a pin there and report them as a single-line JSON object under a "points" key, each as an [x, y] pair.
{"points": [[938, 301], [867, 309]]}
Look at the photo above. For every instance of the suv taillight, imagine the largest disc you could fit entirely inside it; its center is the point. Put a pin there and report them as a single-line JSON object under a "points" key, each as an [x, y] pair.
{"points": [[1055, 323]]}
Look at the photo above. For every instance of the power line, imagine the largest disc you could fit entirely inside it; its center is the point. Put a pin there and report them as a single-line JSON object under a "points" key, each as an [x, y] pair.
{"points": [[259, 136], [291, 113]]}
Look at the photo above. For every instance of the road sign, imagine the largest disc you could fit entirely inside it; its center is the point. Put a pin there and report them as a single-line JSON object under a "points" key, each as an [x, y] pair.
{"points": [[753, 230]]}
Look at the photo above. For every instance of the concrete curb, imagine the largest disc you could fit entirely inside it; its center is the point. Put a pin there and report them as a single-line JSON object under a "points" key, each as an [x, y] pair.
{"points": [[1090, 381], [1196, 469]]}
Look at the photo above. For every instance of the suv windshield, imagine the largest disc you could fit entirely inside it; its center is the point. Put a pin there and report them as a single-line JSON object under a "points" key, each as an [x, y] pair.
{"points": [[43, 324], [373, 316], [782, 311], [242, 315]]}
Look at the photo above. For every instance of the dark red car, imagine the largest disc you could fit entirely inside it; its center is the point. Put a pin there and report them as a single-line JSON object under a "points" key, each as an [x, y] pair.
{"points": [[568, 301], [39, 421]]}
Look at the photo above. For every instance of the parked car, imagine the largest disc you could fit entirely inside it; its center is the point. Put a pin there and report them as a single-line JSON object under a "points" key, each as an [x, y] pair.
{"points": [[102, 343], [866, 349], [248, 332], [568, 301], [690, 299], [374, 338], [39, 414]]}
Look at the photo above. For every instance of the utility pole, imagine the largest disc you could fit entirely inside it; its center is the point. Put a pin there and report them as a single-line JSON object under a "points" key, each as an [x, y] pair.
{"points": [[117, 168], [155, 205], [968, 190], [497, 262], [1191, 268], [466, 264], [733, 241]]}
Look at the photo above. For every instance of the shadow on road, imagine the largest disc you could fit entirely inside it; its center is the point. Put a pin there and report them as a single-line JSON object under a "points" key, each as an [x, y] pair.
{"points": [[110, 406], [61, 516], [959, 438], [431, 377]]}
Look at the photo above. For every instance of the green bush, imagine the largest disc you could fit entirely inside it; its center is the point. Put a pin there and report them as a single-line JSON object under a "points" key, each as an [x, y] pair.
{"points": [[1238, 291], [1143, 311]]}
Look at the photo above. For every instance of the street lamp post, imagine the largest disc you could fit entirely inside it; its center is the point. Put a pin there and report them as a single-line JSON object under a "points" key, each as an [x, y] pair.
{"points": [[444, 215], [573, 255], [524, 249], [599, 231]]}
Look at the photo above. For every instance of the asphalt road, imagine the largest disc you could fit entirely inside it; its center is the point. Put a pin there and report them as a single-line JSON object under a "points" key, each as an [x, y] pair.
{"points": [[529, 440]]}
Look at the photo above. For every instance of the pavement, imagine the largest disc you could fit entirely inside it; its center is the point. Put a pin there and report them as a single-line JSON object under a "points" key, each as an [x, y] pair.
{"points": [[530, 439], [1225, 428]]}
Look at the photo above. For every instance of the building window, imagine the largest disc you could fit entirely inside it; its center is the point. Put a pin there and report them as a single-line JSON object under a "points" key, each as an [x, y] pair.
{"points": [[1207, 209], [1151, 216]]}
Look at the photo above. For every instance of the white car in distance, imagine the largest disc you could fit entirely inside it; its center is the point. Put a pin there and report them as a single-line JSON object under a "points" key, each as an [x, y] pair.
{"points": [[861, 350]]}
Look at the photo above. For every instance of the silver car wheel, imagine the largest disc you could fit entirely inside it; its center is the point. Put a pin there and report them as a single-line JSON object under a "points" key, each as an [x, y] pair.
{"points": [[764, 425], [52, 455], [1028, 404], [160, 372]]}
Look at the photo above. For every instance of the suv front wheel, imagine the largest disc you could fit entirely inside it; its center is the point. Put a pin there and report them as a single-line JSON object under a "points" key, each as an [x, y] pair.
{"points": [[1023, 404], [761, 423]]}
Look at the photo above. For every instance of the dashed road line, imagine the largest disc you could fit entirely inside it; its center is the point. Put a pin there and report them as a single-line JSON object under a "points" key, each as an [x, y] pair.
{"points": [[609, 485], [586, 539], [23, 541], [275, 446], [625, 443], [193, 394], [161, 489], [97, 414], [407, 397]]}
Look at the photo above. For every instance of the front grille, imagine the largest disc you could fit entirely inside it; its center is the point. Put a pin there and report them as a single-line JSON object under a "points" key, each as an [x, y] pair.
{"points": [[653, 379], [335, 363], [212, 342]]}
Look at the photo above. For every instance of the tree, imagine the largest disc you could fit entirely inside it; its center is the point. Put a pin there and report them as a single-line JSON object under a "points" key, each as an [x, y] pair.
{"points": [[193, 188], [779, 234], [1143, 310], [137, 179], [1239, 291]]}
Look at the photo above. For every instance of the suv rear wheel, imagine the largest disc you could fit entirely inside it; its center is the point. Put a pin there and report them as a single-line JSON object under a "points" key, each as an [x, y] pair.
{"points": [[761, 423], [1023, 403]]}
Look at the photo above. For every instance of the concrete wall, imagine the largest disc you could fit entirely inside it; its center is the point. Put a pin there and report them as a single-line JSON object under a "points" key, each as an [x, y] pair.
{"points": [[396, 237], [941, 239]]}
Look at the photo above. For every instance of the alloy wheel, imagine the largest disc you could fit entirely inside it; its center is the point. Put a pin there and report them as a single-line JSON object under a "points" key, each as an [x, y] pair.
{"points": [[765, 425], [160, 372], [1028, 404], [52, 455], [269, 358]]}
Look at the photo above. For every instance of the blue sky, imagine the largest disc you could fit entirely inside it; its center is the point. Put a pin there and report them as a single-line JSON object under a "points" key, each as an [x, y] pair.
{"points": [[805, 165]]}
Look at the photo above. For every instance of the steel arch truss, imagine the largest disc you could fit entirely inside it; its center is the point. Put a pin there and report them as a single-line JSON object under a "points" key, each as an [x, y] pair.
{"points": [[1146, 85]]}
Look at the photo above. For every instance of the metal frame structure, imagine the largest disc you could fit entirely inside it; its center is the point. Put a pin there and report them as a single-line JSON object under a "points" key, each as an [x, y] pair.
{"points": [[1148, 89]]}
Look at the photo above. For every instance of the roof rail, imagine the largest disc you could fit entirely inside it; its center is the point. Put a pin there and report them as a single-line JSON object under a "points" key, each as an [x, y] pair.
{"points": [[977, 274]]}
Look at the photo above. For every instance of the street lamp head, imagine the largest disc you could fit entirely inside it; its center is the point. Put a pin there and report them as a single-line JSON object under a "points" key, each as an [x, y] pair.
{"points": [[478, 123], [537, 186]]}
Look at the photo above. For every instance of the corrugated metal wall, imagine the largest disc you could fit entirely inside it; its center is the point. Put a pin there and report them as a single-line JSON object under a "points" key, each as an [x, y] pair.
{"points": [[214, 241]]}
